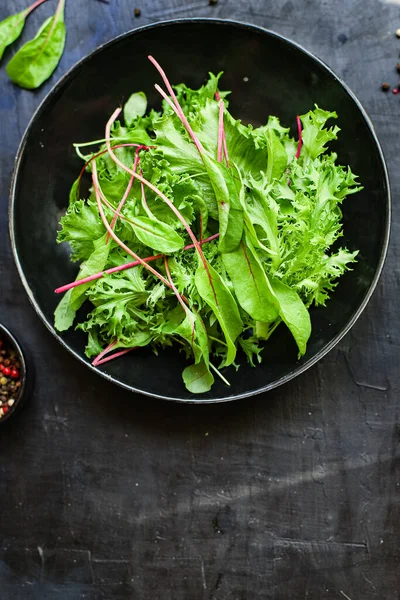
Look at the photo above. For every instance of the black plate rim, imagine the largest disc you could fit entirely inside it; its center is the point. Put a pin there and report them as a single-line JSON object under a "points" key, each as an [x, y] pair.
{"points": [[328, 347]]}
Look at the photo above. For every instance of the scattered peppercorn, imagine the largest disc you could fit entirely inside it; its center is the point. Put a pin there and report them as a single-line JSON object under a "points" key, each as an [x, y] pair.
{"points": [[10, 378], [137, 12], [395, 90], [385, 87], [212, 2]]}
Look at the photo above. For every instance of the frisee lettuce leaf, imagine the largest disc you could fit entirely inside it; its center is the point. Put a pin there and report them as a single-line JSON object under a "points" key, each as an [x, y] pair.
{"points": [[278, 218]]}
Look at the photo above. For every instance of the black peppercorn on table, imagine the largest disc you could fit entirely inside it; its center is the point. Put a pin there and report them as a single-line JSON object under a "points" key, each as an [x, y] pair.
{"points": [[294, 494]]}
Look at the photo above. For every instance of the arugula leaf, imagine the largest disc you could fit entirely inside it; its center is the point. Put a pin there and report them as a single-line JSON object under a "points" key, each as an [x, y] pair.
{"points": [[36, 60]]}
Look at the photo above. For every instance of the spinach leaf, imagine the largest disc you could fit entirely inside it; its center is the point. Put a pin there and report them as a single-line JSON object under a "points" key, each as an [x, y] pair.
{"points": [[10, 30], [36, 60], [64, 314], [135, 107], [197, 378], [157, 235]]}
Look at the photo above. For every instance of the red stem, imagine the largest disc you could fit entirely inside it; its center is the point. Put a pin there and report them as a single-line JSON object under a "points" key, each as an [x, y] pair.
{"points": [[115, 355], [105, 351], [178, 106], [127, 191], [174, 288], [300, 142], [220, 130], [129, 265], [34, 5], [181, 299], [161, 195], [115, 237], [87, 163], [218, 99]]}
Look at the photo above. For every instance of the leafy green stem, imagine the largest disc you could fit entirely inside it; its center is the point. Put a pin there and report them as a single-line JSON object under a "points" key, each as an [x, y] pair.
{"points": [[158, 193], [179, 110], [127, 191], [129, 265], [116, 238]]}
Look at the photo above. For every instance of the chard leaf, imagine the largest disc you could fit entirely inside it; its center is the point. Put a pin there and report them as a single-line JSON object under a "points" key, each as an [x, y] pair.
{"points": [[135, 107], [277, 156], [293, 312], [36, 60], [230, 211], [216, 294], [10, 29], [250, 283], [157, 235]]}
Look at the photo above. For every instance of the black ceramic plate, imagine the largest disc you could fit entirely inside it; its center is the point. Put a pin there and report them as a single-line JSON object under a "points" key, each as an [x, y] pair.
{"points": [[267, 75]]}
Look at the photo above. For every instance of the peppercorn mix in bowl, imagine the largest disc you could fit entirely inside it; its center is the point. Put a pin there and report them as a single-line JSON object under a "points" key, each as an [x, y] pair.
{"points": [[12, 375]]}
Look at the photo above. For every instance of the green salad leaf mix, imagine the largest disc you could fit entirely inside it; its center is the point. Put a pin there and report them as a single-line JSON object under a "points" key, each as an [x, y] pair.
{"points": [[232, 229]]}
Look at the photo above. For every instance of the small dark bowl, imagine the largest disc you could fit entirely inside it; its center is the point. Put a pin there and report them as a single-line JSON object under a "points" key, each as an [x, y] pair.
{"points": [[267, 74], [20, 398]]}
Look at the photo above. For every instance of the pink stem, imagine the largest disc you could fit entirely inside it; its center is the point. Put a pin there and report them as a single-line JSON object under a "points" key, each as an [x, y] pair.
{"points": [[34, 5], [115, 355], [160, 194], [178, 106], [87, 163], [218, 99], [128, 189], [225, 148], [129, 265], [220, 130], [105, 351], [300, 142], [115, 237], [174, 288]]}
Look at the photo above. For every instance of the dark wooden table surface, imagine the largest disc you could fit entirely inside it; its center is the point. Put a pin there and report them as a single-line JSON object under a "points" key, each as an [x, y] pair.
{"points": [[290, 495]]}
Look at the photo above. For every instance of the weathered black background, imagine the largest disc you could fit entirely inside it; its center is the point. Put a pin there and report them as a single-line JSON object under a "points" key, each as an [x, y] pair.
{"points": [[290, 495]]}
